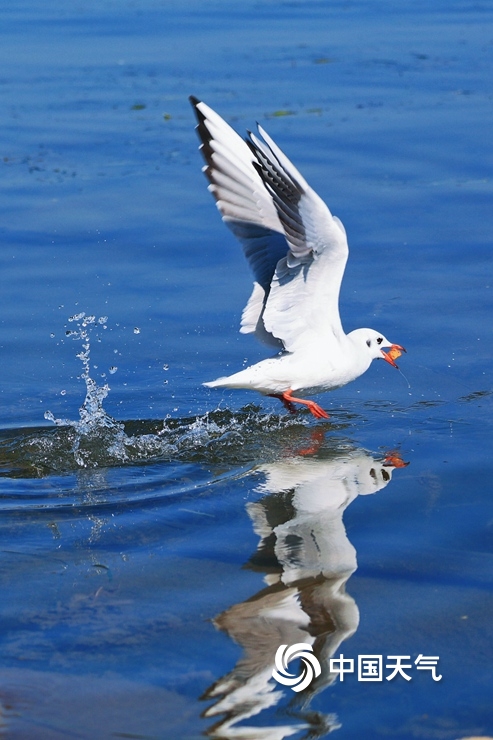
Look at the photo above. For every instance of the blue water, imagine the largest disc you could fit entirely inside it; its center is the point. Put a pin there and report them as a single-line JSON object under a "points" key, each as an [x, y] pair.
{"points": [[159, 540]]}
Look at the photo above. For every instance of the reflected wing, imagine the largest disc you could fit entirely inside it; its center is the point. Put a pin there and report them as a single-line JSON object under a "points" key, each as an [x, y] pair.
{"points": [[296, 248]]}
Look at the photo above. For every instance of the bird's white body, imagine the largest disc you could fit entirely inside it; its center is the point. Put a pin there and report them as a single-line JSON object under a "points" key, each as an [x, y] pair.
{"points": [[297, 251], [321, 368]]}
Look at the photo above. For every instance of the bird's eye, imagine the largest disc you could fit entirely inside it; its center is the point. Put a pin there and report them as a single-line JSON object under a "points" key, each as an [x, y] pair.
{"points": [[379, 340], [368, 342]]}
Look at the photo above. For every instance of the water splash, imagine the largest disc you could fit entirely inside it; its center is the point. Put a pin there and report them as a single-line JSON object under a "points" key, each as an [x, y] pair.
{"points": [[94, 427], [219, 440], [96, 440]]}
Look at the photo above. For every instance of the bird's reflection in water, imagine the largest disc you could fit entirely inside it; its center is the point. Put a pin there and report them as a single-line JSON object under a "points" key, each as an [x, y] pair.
{"points": [[307, 559]]}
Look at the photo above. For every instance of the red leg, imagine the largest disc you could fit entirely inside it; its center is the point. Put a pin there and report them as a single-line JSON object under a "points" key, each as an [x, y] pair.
{"points": [[317, 411], [287, 403]]}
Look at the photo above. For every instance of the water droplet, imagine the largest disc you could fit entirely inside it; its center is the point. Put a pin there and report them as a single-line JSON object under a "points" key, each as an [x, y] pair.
{"points": [[102, 320], [52, 335], [136, 330], [113, 369], [77, 316], [63, 393], [165, 382], [165, 367]]}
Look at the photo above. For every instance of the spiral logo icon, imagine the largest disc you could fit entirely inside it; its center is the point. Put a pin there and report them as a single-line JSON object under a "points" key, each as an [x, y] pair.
{"points": [[311, 667]]}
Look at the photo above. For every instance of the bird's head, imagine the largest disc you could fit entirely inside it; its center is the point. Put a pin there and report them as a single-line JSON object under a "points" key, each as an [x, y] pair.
{"points": [[375, 344]]}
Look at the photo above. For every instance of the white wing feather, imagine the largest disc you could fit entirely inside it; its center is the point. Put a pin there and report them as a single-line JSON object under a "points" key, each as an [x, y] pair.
{"points": [[296, 248], [231, 171], [303, 303]]}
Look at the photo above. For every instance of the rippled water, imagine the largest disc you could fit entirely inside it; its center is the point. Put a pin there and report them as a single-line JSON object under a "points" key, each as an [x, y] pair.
{"points": [[159, 541]]}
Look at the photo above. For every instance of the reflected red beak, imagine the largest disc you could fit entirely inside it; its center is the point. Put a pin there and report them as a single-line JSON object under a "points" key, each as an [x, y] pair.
{"points": [[394, 352], [394, 460]]}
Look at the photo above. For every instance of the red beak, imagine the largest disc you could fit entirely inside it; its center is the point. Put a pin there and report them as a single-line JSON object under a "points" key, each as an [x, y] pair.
{"points": [[395, 351]]}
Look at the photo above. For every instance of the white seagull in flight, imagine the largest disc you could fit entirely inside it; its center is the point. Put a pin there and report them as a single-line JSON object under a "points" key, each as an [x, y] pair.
{"points": [[297, 251]]}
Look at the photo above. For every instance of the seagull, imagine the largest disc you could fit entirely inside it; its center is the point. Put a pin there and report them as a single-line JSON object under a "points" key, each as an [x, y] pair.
{"points": [[297, 251]]}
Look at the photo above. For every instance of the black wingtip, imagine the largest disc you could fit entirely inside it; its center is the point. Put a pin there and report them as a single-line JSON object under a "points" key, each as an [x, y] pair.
{"points": [[250, 143], [204, 136], [195, 102]]}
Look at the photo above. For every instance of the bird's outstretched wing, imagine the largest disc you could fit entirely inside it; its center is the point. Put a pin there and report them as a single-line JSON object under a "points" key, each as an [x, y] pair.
{"points": [[246, 207], [296, 248]]}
